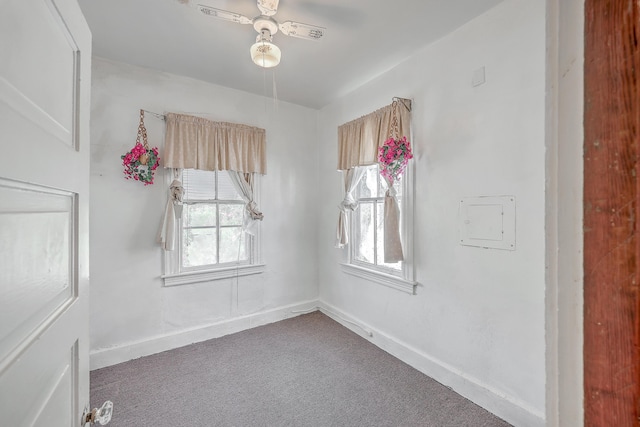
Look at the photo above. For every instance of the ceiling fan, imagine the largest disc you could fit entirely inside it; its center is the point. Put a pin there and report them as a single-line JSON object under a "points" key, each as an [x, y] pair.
{"points": [[264, 53]]}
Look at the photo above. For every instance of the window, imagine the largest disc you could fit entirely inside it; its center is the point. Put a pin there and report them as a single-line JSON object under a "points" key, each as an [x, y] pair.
{"points": [[211, 244], [366, 232]]}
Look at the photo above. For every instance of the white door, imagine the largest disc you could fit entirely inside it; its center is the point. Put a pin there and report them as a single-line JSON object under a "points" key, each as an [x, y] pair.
{"points": [[45, 79]]}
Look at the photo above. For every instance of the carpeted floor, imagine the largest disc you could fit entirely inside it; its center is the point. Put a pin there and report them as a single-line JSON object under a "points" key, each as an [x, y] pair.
{"points": [[304, 371]]}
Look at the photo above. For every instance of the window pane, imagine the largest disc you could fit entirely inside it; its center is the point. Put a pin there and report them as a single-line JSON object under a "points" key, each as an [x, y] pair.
{"points": [[198, 184], [380, 232], [368, 185], [226, 190], [199, 247], [382, 185], [199, 215], [231, 214], [380, 242], [364, 229], [232, 245]]}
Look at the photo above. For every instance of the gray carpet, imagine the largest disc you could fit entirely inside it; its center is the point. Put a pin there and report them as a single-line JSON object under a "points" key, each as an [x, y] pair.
{"points": [[304, 371]]}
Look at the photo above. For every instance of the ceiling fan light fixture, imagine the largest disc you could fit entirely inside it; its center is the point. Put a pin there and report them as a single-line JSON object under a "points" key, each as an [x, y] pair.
{"points": [[264, 53]]}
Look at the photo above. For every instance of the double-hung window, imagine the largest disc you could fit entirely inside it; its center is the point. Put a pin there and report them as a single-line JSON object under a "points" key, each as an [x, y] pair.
{"points": [[366, 232], [211, 243]]}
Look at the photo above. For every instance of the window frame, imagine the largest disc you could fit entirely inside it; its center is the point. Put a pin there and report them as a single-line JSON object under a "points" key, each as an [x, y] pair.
{"points": [[402, 279], [175, 274]]}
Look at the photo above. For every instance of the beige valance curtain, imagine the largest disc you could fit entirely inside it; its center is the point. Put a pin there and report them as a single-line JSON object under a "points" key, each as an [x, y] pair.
{"points": [[197, 143], [359, 139], [358, 142]]}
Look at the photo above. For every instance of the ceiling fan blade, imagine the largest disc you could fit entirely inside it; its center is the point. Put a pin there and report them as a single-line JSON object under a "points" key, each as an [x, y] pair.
{"points": [[224, 14], [268, 7], [303, 31]]}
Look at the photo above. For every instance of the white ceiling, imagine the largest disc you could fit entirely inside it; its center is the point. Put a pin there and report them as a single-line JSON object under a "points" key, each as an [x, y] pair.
{"points": [[363, 39]]}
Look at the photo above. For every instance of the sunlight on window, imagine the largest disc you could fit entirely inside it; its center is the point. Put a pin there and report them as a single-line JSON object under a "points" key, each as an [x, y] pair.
{"points": [[212, 220], [232, 246], [368, 221], [365, 233], [199, 247]]}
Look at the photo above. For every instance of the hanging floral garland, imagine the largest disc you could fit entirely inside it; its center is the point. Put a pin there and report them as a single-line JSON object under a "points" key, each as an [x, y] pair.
{"points": [[393, 157], [395, 153], [141, 161]]}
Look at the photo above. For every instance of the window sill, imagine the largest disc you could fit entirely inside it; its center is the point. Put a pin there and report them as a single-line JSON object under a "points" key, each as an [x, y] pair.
{"points": [[381, 278], [211, 275]]}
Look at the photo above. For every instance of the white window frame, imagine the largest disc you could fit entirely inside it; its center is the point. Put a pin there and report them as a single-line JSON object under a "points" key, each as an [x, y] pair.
{"points": [[175, 274], [403, 279]]}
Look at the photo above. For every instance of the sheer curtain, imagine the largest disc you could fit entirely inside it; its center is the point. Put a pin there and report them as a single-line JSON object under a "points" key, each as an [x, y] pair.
{"points": [[392, 242], [244, 184], [173, 211], [197, 143], [358, 143], [351, 179]]}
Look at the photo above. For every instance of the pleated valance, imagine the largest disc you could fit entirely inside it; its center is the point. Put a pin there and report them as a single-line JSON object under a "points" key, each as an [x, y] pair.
{"points": [[359, 139], [197, 143]]}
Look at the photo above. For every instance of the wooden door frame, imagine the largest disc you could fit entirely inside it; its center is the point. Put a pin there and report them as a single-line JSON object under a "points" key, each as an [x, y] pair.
{"points": [[592, 299], [611, 217]]}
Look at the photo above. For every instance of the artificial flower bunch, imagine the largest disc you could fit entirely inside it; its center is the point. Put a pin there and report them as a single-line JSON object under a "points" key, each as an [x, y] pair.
{"points": [[140, 163], [393, 157]]}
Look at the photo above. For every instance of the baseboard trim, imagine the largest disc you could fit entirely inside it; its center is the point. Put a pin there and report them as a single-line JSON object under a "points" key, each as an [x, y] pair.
{"points": [[504, 406], [104, 357]]}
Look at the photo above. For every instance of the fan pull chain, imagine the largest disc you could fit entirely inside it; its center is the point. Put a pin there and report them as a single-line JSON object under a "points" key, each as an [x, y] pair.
{"points": [[264, 88], [275, 92]]}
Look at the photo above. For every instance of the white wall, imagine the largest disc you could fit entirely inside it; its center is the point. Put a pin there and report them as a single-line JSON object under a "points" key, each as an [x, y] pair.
{"points": [[133, 314], [477, 322]]}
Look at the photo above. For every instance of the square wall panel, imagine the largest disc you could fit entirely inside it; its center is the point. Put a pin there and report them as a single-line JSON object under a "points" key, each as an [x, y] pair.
{"points": [[488, 222]]}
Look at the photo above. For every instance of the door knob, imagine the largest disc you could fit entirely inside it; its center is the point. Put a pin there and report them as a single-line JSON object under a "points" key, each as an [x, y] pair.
{"points": [[98, 416]]}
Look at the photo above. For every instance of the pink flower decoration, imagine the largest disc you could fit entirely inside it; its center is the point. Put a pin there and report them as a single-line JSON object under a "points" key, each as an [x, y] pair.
{"points": [[393, 157], [134, 169]]}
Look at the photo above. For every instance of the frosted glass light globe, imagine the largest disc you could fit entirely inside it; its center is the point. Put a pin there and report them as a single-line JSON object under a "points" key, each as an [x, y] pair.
{"points": [[265, 54]]}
